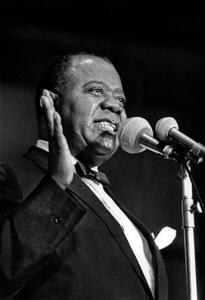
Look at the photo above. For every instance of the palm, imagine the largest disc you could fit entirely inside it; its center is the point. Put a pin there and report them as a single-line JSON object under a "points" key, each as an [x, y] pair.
{"points": [[60, 163]]}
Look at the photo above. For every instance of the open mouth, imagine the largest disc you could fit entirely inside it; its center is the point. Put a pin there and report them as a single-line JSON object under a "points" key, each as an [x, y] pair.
{"points": [[107, 126]]}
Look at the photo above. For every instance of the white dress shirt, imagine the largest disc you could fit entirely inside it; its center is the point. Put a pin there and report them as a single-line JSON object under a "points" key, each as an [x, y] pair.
{"points": [[131, 232]]}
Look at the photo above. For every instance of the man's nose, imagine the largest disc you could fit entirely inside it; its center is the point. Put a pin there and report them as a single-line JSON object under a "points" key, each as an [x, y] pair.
{"points": [[113, 105]]}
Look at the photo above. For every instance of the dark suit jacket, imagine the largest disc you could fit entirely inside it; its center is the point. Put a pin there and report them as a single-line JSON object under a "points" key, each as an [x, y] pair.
{"points": [[58, 244]]}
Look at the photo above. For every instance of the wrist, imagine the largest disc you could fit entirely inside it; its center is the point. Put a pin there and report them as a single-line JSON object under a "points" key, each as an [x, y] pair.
{"points": [[64, 184]]}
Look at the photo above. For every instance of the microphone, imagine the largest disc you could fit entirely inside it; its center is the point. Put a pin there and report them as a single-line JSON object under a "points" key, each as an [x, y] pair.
{"points": [[137, 136], [167, 128]]}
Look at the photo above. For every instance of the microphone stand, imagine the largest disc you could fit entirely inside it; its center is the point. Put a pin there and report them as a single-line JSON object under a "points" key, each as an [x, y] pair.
{"points": [[188, 225]]}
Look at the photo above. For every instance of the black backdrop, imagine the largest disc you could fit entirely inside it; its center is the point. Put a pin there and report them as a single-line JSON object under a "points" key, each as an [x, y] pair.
{"points": [[159, 53]]}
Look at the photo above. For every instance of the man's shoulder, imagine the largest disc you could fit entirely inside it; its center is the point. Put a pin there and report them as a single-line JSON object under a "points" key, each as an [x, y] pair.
{"points": [[10, 190], [22, 174]]}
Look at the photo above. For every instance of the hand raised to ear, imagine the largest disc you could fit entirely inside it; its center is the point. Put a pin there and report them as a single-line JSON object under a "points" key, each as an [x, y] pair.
{"points": [[60, 167]]}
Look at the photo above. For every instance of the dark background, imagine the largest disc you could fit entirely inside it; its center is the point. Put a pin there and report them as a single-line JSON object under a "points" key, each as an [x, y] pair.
{"points": [[159, 53]]}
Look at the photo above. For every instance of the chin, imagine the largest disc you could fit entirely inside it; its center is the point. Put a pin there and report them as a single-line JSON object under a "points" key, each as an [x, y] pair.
{"points": [[96, 155]]}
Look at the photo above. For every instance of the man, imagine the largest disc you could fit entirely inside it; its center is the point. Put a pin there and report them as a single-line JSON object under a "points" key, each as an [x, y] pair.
{"points": [[64, 236]]}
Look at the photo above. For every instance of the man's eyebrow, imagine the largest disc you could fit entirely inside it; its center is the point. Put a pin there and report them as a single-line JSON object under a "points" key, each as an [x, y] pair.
{"points": [[94, 81], [118, 90]]}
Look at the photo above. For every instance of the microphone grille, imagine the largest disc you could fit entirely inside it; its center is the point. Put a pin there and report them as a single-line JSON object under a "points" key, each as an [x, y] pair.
{"points": [[132, 130], [163, 127]]}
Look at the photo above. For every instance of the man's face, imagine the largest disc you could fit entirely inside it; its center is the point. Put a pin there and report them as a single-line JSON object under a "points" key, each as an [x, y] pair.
{"points": [[92, 110]]}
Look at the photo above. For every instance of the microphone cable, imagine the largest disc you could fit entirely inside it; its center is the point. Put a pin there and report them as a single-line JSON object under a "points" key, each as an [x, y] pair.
{"points": [[201, 208]]}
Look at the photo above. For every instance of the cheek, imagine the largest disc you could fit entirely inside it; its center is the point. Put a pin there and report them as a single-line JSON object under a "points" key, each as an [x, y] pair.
{"points": [[84, 115], [82, 125], [84, 109], [74, 116]]}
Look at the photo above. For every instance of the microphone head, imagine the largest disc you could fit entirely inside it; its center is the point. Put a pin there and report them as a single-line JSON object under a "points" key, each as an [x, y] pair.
{"points": [[163, 127], [132, 131]]}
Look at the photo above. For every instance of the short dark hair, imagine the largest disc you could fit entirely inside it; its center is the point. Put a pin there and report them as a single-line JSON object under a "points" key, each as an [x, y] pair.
{"points": [[57, 75]]}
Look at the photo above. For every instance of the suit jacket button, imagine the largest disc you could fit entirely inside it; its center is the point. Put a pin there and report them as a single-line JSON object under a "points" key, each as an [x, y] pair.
{"points": [[58, 220]]}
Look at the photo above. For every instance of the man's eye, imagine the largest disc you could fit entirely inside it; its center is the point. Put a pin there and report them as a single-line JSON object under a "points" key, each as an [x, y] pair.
{"points": [[96, 91], [121, 100]]}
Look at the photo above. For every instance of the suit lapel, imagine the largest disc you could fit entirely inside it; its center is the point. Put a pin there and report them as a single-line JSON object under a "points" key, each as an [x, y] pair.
{"points": [[89, 198], [158, 264], [40, 158]]}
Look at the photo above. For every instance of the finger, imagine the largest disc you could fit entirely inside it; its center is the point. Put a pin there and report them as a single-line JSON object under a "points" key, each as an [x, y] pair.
{"points": [[46, 100], [49, 94], [48, 112], [47, 103], [51, 99], [58, 133]]}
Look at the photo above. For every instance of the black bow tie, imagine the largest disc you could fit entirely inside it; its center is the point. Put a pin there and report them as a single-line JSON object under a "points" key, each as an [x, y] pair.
{"points": [[83, 171]]}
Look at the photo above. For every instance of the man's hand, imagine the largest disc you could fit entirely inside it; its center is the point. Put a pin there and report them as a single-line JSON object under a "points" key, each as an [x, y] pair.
{"points": [[60, 164]]}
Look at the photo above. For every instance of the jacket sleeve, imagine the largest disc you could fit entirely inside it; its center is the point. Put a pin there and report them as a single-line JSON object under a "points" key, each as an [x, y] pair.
{"points": [[31, 231]]}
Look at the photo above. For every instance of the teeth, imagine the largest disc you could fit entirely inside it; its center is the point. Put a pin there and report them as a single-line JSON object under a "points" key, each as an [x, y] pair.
{"points": [[106, 126]]}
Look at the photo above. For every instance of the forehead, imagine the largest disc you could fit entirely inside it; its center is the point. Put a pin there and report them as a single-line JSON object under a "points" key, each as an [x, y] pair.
{"points": [[95, 69]]}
